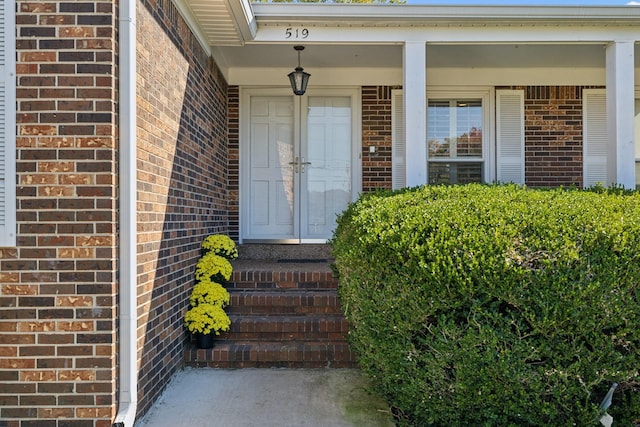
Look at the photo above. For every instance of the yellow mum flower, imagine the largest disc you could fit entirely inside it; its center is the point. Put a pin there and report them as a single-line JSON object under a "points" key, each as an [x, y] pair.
{"points": [[208, 292], [212, 267], [206, 319], [220, 245]]}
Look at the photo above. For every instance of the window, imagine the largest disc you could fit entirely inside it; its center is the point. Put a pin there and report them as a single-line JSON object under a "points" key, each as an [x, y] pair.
{"points": [[466, 141], [455, 141], [460, 145]]}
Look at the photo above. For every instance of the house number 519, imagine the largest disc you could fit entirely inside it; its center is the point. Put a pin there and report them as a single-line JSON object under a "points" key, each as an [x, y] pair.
{"points": [[296, 33]]}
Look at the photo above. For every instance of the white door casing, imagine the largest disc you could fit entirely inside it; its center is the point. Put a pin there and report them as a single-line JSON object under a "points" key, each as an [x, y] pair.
{"points": [[299, 163]]}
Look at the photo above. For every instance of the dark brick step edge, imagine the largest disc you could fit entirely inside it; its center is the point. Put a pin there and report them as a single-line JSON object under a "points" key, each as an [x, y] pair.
{"points": [[282, 279], [280, 285], [287, 328], [272, 355], [299, 302]]}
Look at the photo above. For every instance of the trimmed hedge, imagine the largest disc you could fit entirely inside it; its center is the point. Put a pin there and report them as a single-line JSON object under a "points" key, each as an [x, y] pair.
{"points": [[495, 305]]}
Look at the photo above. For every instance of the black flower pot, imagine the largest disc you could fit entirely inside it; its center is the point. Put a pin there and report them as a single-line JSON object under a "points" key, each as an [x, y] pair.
{"points": [[204, 341]]}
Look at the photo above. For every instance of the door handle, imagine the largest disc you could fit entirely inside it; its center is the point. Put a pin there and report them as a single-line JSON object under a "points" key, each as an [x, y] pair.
{"points": [[303, 164], [295, 164]]}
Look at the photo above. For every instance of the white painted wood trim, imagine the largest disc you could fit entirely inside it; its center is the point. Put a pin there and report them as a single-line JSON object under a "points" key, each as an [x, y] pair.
{"points": [[510, 150], [415, 113], [393, 76], [367, 13], [446, 32], [620, 113], [8, 126], [594, 125], [398, 143]]}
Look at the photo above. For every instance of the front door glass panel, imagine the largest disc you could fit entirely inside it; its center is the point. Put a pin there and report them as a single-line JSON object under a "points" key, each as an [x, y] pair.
{"points": [[326, 172]]}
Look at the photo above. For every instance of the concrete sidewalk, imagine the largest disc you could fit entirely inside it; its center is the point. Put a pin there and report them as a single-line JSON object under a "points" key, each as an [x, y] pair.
{"points": [[268, 398]]}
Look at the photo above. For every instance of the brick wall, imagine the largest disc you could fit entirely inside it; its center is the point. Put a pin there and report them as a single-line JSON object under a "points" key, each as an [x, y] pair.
{"points": [[376, 132], [182, 183], [553, 136], [57, 287], [234, 162]]}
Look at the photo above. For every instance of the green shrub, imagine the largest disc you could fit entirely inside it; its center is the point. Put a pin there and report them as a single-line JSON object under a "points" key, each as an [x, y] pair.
{"points": [[495, 305]]}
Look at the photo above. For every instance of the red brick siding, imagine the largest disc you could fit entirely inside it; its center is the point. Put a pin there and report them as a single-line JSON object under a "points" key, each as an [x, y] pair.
{"points": [[234, 161], [376, 132], [182, 183], [58, 286], [553, 136]]}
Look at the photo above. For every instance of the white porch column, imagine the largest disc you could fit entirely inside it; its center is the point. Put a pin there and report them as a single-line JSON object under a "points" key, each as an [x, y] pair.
{"points": [[415, 113], [620, 113]]}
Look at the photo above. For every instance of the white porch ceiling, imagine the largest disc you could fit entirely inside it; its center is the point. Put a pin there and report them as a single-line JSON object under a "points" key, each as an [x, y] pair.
{"points": [[390, 56]]}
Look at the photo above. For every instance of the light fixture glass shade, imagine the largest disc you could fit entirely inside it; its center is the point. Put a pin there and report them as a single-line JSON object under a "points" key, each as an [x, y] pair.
{"points": [[299, 80]]}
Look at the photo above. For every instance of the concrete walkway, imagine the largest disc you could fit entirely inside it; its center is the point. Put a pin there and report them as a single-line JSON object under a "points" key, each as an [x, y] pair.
{"points": [[268, 398]]}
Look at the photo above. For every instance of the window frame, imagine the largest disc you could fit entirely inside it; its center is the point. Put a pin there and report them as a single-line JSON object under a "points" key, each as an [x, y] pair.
{"points": [[486, 95]]}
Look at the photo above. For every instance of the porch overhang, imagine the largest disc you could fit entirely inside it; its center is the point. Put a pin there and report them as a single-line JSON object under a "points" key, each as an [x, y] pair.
{"points": [[236, 22], [219, 22], [244, 37]]}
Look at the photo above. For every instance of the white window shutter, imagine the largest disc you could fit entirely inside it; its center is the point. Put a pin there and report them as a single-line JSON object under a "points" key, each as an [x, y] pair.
{"points": [[594, 125], [398, 143], [510, 136], [7, 125]]}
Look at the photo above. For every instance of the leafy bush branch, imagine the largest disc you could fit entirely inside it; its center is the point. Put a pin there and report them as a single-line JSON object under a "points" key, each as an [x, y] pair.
{"points": [[495, 305]]}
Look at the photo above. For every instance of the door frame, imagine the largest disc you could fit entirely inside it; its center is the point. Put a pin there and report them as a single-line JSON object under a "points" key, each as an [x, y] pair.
{"points": [[246, 93]]}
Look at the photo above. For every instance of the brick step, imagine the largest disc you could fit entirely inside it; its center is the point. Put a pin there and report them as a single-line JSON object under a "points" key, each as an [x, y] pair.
{"points": [[227, 354], [284, 313], [275, 252], [273, 275], [287, 328], [291, 302]]}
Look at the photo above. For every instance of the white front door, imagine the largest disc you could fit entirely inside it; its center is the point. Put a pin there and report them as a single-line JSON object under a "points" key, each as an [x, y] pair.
{"points": [[297, 161]]}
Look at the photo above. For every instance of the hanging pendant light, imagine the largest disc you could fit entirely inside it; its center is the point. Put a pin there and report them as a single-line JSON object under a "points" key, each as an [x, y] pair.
{"points": [[299, 78]]}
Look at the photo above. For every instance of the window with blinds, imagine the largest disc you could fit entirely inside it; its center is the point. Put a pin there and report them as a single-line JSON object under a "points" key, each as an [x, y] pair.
{"points": [[462, 145], [455, 141]]}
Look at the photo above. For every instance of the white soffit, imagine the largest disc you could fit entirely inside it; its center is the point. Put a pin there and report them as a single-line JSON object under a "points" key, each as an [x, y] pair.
{"points": [[220, 22]]}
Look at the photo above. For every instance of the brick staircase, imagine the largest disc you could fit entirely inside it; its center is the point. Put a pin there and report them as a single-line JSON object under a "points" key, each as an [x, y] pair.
{"points": [[284, 312]]}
